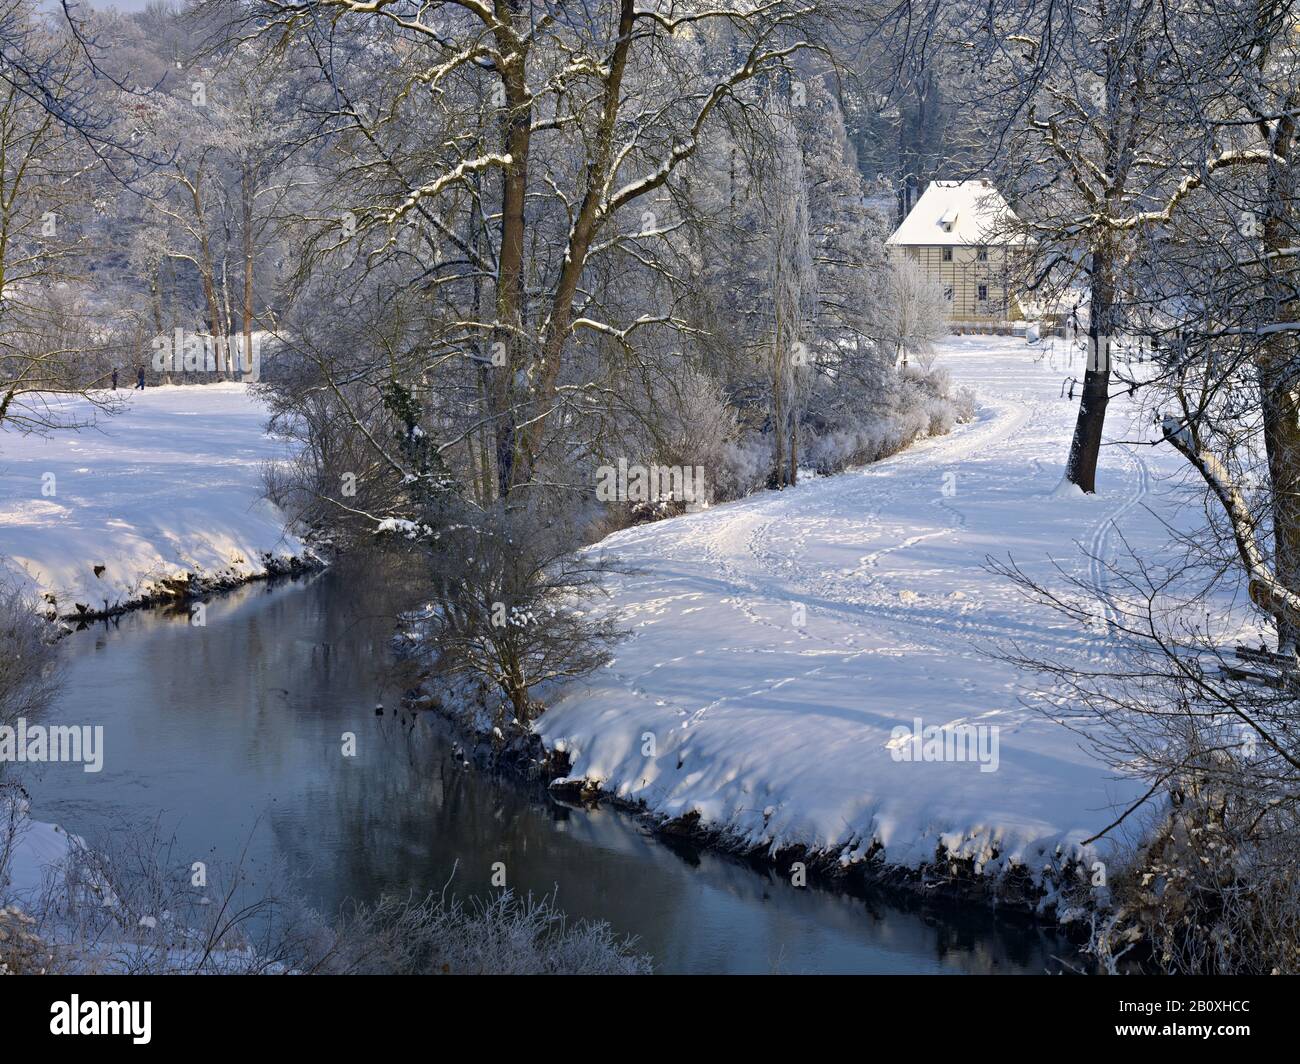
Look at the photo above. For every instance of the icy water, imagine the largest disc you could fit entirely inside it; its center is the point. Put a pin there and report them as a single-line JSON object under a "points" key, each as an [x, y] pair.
{"points": [[232, 734]]}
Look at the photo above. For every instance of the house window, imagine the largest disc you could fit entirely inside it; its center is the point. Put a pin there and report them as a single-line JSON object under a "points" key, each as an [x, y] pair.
{"points": [[947, 254], [982, 255], [984, 293]]}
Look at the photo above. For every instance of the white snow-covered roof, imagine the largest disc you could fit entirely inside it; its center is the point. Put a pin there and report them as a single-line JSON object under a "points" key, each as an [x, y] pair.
{"points": [[957, 212]]}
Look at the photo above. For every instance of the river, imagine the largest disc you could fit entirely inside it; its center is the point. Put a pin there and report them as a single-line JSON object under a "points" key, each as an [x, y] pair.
{"points": [[232, 734]]}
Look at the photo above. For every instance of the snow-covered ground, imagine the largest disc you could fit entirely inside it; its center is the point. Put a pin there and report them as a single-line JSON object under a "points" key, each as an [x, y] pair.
{"points": [[32, 853], [781, 732], [778, 642], [170, 487]]}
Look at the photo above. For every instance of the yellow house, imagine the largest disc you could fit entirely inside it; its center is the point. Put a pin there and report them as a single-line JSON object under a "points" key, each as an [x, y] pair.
{"points": [[963, 235]]}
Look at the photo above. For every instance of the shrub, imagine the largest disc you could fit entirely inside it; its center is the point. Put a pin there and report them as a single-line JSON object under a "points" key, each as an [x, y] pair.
{"points": [[22, 951], [503, 935], [28, 674], [511, 602]]}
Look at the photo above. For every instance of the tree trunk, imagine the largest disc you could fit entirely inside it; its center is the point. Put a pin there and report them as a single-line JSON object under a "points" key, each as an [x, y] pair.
{"points": [[483, 440], [1278, 401], [586, 222], [207, 275], [246, 197], [778, 431], [517, 134], [1081, 469]]}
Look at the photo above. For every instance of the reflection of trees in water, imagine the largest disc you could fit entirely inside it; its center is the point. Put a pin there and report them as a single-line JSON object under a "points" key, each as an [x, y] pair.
{"points": [[405, 812], [404, 825], [278, 674]]}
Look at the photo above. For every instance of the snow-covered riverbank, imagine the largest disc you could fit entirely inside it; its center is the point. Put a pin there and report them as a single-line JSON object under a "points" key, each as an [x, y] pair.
{"points": [[783, 646], [167, 494], [32, 853]]}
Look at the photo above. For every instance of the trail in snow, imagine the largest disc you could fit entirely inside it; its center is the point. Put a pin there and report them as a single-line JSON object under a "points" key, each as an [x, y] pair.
{"points": [[1100, 547], [724, 703]]}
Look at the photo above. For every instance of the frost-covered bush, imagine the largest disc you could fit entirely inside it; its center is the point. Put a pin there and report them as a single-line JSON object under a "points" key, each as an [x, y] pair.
{"points": [[677, 419], [130, 906], [924, 403], [744, 466], [1214, 893], [28, 673], [503, 935], [865, 443], [918, 403], [22, 950], [698, 427], [928, 398], [512, 601], [915, 313]]}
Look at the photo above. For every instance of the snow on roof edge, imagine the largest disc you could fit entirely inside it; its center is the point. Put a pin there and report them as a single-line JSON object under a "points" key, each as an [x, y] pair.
{"points": [[980, 212]]}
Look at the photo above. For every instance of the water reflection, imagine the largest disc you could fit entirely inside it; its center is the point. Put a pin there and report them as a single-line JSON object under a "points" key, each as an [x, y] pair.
{"points": [[234, 732]]}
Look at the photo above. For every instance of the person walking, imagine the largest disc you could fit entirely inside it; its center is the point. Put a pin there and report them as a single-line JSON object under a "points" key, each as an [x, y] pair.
{"points": [[139, 378], [114, 378]]}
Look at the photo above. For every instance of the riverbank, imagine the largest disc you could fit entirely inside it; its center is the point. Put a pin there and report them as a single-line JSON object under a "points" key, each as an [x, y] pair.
{"points": [[33, 854], [162, 502], [814, 675], [1057, 896], [780, 643]]}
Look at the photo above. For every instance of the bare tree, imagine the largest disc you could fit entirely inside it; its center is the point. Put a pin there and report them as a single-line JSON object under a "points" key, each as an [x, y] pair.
{"points": [[44, 192], [631, 86], [1188, 698], [916, 313]]}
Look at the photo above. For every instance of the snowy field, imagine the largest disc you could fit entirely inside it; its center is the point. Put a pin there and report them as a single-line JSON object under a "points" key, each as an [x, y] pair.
{"points": [[170, 487], [778, 642]]}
